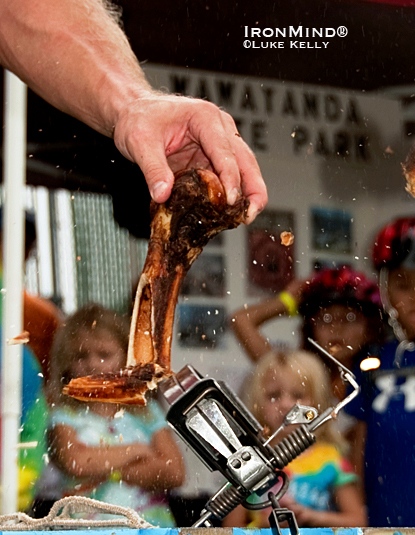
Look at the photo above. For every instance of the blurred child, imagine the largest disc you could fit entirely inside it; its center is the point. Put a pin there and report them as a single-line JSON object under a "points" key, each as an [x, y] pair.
{"points": [[386, 406], [121, 456], [322, 491], [34, 413], [40, 320], [340, 308]]}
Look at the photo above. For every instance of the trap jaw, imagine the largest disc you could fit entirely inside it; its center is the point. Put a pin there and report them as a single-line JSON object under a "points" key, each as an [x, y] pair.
{"points": [[208, 416], [225, 436]]}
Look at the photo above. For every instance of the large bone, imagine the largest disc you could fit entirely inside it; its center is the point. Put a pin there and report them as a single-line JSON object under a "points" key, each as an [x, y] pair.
{"points": [[195, 212]]}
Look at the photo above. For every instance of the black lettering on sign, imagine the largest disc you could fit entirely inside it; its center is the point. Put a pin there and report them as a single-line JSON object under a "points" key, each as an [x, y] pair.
{"points": [[321, 144], [332, 108], [202, 90], [310, 105], [268, 94], [288, 105], [352, 115], [342, 144], [258, 134], [248, 101], [300, 137], [179, 84], [225, 93]]}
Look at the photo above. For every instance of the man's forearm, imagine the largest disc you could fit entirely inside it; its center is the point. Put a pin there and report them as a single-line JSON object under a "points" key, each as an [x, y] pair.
{"points": [[74, 54]]}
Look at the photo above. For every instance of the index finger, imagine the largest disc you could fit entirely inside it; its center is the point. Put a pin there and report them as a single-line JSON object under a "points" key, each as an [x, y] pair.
{"points": [[230, 157], [214, 136], [252, 183]]}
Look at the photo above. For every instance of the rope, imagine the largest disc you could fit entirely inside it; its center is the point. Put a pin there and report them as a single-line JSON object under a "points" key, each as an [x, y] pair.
{"points": [[60, 516]]}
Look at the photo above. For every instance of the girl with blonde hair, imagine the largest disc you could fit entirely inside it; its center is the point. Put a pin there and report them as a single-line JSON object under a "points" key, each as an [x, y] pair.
{"points": [[323, 490]]}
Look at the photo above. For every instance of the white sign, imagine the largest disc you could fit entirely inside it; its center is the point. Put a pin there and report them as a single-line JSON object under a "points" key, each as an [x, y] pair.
{"points": [[295, 120]]}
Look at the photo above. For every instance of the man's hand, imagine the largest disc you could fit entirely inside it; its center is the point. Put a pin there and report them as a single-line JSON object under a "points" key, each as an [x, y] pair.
{"points": [[74, 54], [166, 133]]}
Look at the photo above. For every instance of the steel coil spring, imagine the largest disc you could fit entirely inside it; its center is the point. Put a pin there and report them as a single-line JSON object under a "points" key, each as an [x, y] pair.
{"points": [[226, 501], [292, 445]]}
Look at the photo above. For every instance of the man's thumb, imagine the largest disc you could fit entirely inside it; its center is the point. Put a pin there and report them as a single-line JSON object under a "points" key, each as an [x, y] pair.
{"points": [[159, 178]]}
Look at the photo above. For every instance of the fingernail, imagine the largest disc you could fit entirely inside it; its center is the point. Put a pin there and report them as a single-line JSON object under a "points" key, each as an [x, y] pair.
{"points": [[159, 190], [232, 196]]}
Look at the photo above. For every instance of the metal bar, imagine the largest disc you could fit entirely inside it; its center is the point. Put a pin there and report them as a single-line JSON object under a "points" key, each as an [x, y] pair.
{"points": [[12, 313]]}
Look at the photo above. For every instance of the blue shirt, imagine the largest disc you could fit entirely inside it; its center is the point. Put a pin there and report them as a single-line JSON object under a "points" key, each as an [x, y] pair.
{"points": [[387, 405], [92, 429]]}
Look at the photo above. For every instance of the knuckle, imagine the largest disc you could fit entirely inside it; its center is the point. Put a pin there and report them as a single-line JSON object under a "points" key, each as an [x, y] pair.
{"points": [[228, 119], [154, 170], [209, 108]]}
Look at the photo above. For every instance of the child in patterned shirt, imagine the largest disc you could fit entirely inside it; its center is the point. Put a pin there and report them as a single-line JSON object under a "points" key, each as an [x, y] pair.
{"points": [[322, 491]]}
